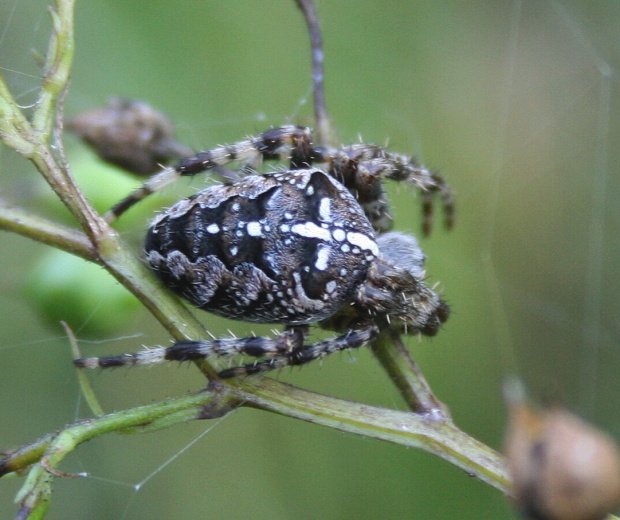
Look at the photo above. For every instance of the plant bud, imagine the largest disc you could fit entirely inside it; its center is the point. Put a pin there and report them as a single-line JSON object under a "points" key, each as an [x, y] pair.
{"points": [[129, 134], [562, 468]]}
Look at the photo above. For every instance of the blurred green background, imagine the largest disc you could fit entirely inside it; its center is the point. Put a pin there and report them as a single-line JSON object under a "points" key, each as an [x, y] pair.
{"points": [[516, 103]]}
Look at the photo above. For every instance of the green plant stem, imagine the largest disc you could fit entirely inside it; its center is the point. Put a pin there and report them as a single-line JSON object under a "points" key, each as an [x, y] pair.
{"points": [[439, 437], [407, 376], [57, 69], [52, 448], [413, 430], [324, 131], [47, 232], [87, 390]]}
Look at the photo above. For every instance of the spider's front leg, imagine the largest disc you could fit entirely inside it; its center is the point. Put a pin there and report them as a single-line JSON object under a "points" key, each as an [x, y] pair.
{"points": [[361, 167], [286, 143]]}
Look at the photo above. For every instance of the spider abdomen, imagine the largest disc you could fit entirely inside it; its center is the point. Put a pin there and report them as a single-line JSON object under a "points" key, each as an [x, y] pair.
{"points": [[288, 247]]}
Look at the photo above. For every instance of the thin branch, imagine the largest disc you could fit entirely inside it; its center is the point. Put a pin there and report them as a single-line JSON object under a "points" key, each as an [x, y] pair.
{"points": [[87, 390], [407, 376], [13, 124], [53, 450], [414, 430], [47, 232], [408, 429], [57, 69], [324, 131]]}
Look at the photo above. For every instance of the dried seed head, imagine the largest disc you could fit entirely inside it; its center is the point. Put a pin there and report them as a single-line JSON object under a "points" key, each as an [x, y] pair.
{"points": [[563, 468], [129, 134]]}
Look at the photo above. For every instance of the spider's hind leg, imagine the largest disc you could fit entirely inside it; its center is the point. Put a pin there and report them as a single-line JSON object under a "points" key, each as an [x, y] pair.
{"points": [[354, 338], [287, 349], [254, 346]]}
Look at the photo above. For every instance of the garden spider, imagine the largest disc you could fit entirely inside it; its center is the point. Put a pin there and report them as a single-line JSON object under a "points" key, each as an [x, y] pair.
{"points": [[295, 247]]}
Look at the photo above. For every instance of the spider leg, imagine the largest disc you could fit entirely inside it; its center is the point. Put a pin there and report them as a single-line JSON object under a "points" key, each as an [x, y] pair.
{"points": [[288, 349], [447, 199], [354, 338], [157, 182], [286, 143], [429, 184], [361, 167], [288, 341]]}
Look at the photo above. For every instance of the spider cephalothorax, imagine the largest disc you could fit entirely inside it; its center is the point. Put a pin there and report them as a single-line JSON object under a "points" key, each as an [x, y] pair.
{"points": [[295, 247]]}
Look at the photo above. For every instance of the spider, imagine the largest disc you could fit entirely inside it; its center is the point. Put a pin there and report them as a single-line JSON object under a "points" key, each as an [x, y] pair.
{"points": [[298, 246]]}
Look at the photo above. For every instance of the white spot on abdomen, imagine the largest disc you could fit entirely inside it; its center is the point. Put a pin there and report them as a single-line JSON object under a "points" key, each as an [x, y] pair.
{"points": [[311, 230], [339, 234], [255, 229], [322, 258], [363, 242], [325, 209]]}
